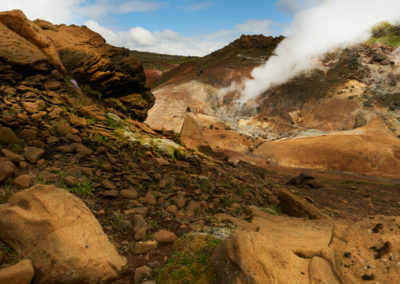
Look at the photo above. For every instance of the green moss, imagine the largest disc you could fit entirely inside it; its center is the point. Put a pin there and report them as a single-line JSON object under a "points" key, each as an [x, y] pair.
{"points": [[92, 93], [272, 210], [190, 261], [385, 33]]}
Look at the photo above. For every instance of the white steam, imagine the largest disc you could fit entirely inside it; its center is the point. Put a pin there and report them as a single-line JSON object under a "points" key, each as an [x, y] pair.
{"points": [[315, 31]]}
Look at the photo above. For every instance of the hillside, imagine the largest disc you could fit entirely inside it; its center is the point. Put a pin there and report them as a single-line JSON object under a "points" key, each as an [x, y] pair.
{"points": [[387, 34]]}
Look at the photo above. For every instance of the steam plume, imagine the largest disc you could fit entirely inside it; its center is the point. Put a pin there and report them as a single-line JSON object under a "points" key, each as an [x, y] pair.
{"points": [[315, 31]]}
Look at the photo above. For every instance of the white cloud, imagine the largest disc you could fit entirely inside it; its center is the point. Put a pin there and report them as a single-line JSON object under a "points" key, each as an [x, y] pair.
{"points": [[56, 11], [170, 42], [73, 11], [315, 31]]}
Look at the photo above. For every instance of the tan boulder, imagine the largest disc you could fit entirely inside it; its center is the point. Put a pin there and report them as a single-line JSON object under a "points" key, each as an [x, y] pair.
{"points": [[20, 273], [7, 136], [289, 250], [192, 136], [60, 235], [30, 35], [22, 181]]}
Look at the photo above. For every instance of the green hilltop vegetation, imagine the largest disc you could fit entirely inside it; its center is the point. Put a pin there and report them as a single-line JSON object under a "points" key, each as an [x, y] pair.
{"points": [[386, 33]]}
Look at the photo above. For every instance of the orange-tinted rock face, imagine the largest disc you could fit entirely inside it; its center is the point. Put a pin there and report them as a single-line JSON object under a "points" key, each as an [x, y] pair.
{"points": [[110, 70]]}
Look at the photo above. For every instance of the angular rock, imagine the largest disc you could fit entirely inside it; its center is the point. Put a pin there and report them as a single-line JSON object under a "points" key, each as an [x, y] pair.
{"points": [[28, 134], [58, 233], [23, 181], [108, 185], [70, 181], [164, 237], [129, 193], [140, 227], [20, 273], [12, 156], [192, 136], [7, 136], [111, 194], [295, 206], [6, 171], [143, 247], [33, 154], [141, 273]]}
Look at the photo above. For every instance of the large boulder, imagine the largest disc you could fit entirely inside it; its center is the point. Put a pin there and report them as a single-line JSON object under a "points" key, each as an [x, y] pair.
{"points": [[59, 234], [112, 71], [288, 250]]}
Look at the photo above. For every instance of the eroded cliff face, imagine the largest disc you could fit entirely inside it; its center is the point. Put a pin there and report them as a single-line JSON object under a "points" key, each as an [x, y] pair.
{"points": [[29, 48]]}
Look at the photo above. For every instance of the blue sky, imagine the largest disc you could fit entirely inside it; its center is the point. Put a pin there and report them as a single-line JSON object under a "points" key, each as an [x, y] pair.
{"points": [[186, 27]]}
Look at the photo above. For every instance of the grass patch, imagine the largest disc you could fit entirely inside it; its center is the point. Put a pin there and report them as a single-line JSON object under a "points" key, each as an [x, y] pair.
{"points": [[272, 210], [190, 261], [6, 192], [84, 188]]}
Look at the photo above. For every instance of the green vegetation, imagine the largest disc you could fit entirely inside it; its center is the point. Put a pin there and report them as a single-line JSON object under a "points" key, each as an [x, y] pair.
{"points": [[385, 33], [119, 222], [190, 261], [272, 210], [84, 188], [6, 192], [92, 93]]}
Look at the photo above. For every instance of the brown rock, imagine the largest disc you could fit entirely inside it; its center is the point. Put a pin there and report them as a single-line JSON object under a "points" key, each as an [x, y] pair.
{"points": [[142, 273], [138, 210], [295, 206], [140, 227], [6, 171], [129, 193], [143, 247], [20, 273], [70, 181], [172, 209], [66, 236], [23, 181], [108, 185], [7, 136], [111, 194], [149, 199], [12, 156], [28, 134], [162, 162], [62, 127], [33, 154], [192, 209], [107, 167], [164, 237]]}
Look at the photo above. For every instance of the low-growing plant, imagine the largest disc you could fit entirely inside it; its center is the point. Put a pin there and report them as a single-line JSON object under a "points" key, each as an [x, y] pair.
{"points": [[272, 210], [83, 188]]}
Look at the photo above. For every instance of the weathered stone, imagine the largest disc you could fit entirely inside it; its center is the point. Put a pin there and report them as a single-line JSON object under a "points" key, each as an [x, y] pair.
{"points": [[7, 136], [70, 181], [33, 154], [164, 237], [108, 185], [192, 136], [111, 194], [129, 193], [6, 171], [142, 273], [58, 233], [143, 247], [20, 273], [28, 134], [295, 206], [140, 227], [23, 181], [12, 156]]}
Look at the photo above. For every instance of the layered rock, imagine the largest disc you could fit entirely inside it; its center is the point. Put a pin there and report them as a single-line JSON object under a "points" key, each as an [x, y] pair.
{"points": [[59, 234], [39, 48], [112, 71], [288, 250]]}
